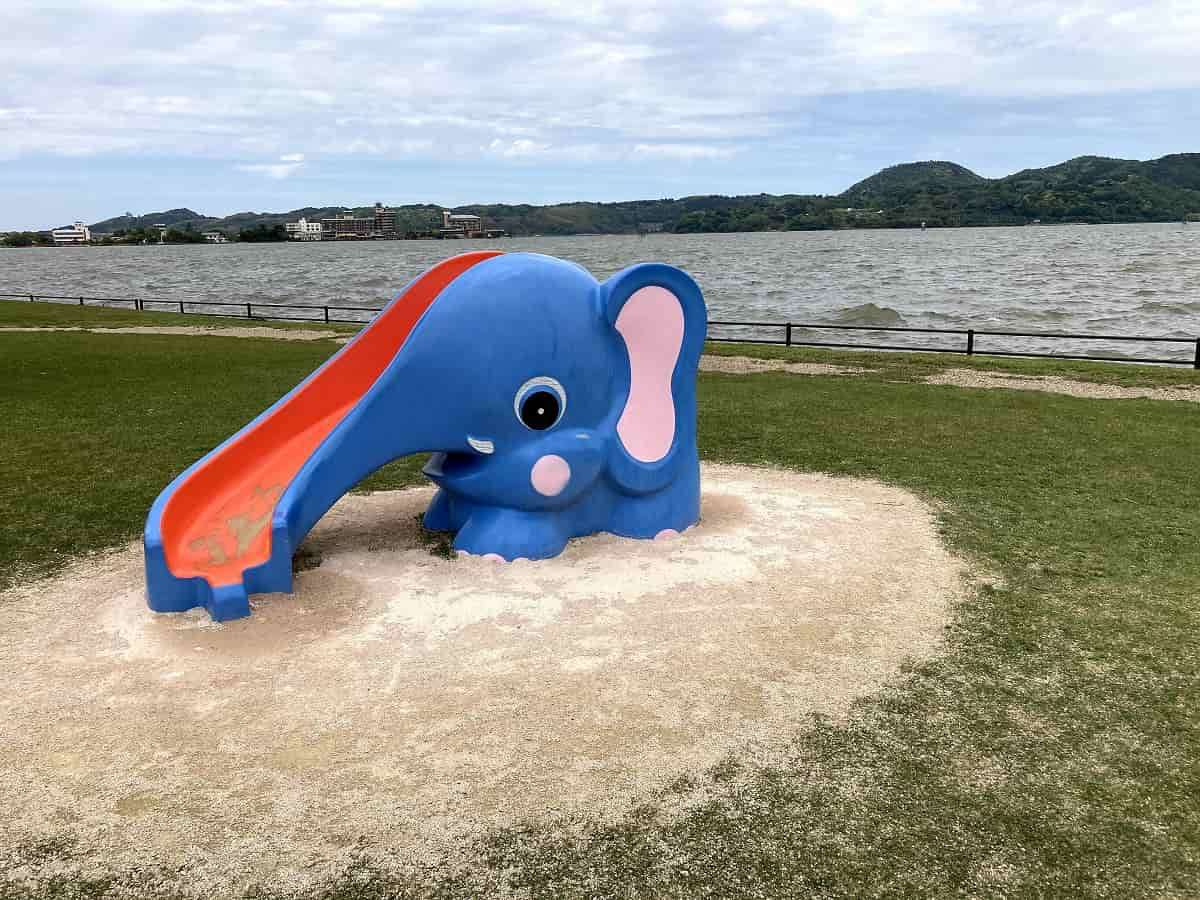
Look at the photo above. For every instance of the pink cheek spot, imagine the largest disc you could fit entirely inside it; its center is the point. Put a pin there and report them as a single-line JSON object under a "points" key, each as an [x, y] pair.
{"points": [[550, 475], [666, 534]]}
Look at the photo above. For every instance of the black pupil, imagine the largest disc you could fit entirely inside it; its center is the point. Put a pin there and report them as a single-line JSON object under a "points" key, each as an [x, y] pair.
{"points": [[539, 410]]}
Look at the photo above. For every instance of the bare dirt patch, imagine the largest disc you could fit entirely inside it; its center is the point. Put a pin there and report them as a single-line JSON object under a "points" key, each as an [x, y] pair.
{"points": [[971, 378], [411, 701], [744, 365], [244, 331]]}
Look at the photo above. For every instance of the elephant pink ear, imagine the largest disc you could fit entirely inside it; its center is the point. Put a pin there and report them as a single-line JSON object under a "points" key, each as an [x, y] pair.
{"points": [[651, 324]]}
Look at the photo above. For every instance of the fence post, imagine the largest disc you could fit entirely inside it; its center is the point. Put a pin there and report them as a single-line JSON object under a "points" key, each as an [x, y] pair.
{"points": [[1196, 358], [81, 301], [248, 311], [970, 342], [31, 298], [181, 307], [788, 339], [137, 304], [326, 315]]}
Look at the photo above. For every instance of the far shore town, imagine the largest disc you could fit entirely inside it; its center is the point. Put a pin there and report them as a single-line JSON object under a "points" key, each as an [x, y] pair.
{"points": [[380, 226]]}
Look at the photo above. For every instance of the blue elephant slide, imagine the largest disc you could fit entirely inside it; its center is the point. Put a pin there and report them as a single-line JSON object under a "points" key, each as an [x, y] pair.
{"points": [[553, 405]]}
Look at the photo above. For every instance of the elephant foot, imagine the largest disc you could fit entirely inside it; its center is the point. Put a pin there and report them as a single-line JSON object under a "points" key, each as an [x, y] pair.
{"points": [[440, 514], [666, 514], [511, 534]]}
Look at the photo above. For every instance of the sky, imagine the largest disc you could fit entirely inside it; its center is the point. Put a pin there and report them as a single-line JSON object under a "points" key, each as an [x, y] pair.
{"points": [[108, 106]]}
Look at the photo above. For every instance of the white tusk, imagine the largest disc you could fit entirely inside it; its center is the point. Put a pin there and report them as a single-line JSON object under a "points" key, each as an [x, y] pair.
{"points": [[481, 446]]}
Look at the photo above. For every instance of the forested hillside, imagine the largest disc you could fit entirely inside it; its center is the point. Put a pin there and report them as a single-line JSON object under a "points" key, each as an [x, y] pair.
{"points": [[1087, 189]]}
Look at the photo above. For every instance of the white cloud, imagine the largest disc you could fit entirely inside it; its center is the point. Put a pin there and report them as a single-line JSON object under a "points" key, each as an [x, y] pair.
{"points": [[610, 79], [517, 148], [740, 18], [287, 166], [277, 171], [352, 23], [682, 151]]}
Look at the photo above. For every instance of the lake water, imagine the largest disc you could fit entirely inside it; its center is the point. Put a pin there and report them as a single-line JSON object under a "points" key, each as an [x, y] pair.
{"points": [[1113, 279]]}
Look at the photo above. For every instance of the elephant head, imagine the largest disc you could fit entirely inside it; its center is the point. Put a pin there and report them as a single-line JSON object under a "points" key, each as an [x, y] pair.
{"points": [[554, 405]]}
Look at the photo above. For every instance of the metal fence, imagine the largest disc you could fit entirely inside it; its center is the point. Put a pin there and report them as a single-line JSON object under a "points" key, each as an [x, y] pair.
{"points": [[794, 335], [786, 334]]}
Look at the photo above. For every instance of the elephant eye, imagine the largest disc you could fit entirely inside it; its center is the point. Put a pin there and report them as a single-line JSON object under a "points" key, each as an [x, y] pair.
{"points": [[540, 403]]}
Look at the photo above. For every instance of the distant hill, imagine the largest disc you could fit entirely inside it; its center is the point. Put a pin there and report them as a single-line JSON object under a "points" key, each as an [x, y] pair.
{"points": [[908, 179], [1089, 189], [173, 217], [408, 218], [1086, 189]]}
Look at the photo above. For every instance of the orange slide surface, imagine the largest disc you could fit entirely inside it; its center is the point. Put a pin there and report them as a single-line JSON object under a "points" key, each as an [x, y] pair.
{"points": [[217, 523]]}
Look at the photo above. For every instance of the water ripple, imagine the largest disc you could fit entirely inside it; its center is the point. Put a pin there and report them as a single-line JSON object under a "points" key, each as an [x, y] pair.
{"points": [[1061, 279]]}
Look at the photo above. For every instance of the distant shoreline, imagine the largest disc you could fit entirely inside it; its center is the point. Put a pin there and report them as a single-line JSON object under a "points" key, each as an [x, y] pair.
{"points": [[474, 241], [1090, 190], [1087, 189]]}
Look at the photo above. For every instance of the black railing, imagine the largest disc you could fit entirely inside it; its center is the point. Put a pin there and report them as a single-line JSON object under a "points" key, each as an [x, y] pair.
{"points": [[792, 334], [969, 336]]}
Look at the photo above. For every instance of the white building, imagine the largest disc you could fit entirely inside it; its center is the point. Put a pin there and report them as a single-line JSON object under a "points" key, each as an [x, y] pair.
{"points": [[216, 237], [75, 234], [460, 224], [303, 230]]}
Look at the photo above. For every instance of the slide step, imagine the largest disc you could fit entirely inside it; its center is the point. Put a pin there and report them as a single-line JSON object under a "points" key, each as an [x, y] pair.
{"points": [[229, 601]]}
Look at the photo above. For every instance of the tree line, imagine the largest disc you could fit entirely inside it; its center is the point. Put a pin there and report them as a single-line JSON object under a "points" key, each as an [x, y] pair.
{"points": [[1089, 189], [138, 236]]}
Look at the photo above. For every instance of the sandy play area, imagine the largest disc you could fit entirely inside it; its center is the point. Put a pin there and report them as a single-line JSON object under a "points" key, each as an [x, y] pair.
{"points": [[412, 700]]}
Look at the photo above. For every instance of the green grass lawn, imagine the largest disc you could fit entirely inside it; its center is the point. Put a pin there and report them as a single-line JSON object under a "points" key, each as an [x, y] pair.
{"points": [[916, 366], [15, 313], [1051, 749]]}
